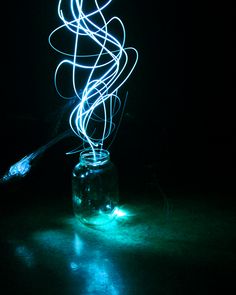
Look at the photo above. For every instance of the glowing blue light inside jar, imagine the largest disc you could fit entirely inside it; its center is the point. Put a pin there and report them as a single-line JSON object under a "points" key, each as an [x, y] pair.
{"points": [[95, 189]]}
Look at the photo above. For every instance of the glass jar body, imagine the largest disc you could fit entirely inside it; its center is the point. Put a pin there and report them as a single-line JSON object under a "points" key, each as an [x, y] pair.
{"points": [[95, 191]]}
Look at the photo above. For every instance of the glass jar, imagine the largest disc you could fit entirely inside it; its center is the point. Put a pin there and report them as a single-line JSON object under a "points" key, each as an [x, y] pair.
{"points": [[95, 192]]}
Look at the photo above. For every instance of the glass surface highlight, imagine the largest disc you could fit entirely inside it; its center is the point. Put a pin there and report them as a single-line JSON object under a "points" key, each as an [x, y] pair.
{"points": [[95, 192]]}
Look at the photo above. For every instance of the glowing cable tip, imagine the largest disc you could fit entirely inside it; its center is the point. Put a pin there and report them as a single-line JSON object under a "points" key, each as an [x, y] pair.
{"points": [[19, 169], [99, 70]]}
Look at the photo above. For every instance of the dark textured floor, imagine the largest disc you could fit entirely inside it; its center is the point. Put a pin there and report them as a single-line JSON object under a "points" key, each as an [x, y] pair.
{"points": [[180, 244]]}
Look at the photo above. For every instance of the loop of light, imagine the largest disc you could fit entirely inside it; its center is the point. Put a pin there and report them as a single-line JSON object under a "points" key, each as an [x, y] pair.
{"points": [[107, 69]]}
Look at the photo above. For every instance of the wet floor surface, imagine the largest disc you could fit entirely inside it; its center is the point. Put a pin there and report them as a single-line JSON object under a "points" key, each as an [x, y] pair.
{"points": [[176, 246]]}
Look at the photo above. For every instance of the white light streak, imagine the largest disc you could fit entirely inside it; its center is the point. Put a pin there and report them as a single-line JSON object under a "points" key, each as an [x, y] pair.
{"points": [[106, 70]]}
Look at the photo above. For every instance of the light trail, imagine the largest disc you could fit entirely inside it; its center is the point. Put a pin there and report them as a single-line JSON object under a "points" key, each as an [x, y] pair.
{"points": [[92, 119]]}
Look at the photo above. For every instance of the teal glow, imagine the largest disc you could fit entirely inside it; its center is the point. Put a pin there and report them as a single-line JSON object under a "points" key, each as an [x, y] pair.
{"points": [[81, 260], [100, 273], [25, 255], [78, 245], [106, 220], [101, 276], [119, 212], [152, 242], [107, 69], [74, 266]]}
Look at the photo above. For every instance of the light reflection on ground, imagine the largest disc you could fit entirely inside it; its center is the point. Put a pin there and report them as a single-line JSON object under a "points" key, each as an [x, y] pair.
{"points": [[94, 261]]}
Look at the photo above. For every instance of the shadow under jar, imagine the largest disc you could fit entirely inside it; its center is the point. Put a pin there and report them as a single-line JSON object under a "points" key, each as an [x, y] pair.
{"points": [[95, 192]]}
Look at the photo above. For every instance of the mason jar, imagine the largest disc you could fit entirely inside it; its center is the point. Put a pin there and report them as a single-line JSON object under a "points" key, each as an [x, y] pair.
{"points": [[95, 193]]}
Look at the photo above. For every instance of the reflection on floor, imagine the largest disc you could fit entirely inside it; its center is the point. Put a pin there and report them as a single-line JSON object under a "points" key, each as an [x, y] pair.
{"points": [[172, 247]]}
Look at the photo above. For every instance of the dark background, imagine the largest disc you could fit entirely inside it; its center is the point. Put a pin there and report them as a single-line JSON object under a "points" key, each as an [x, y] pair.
{"points": [[178, 129], [175, 144]]}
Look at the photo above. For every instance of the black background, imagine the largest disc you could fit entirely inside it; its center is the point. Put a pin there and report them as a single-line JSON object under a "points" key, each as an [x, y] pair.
{"points": [[178, 128]]}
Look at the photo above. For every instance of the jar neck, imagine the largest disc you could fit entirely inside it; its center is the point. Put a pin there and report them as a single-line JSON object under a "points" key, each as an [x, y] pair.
{"points": [[95, 157]]}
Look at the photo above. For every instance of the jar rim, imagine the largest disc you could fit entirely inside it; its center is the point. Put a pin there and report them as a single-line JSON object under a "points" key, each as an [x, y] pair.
{"points": [[94, 157]]}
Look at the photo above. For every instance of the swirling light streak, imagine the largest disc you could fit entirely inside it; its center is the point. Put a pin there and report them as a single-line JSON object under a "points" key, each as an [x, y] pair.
{"points": [[98, 103]]}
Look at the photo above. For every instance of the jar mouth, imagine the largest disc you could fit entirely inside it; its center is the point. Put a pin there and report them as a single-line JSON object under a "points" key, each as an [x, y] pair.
{"points": [[94, 157]]}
